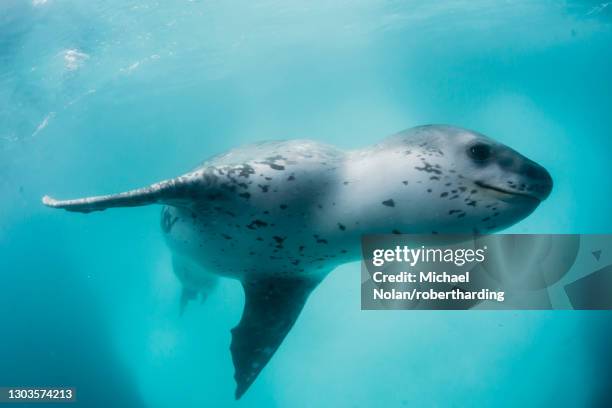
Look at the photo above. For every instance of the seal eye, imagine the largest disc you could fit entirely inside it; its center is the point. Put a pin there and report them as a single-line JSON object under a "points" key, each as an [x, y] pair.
{"points": [[479, 152]]}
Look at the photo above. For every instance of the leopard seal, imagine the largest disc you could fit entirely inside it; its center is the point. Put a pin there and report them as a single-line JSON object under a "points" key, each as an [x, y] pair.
{"points": [[280, 215]]}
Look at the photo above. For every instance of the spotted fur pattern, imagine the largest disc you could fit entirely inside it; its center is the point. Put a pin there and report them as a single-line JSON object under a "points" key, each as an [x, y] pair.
{"points": [[300, 207]]}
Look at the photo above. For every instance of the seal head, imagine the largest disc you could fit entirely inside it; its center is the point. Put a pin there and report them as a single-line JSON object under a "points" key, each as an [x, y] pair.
{"points": [[454, 181]]}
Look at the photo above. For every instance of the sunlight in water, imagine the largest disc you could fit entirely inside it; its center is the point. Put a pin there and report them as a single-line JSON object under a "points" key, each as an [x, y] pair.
{"points": [[101, 97]]}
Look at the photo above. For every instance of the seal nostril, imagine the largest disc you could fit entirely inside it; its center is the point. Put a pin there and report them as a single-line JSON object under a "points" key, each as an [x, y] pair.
{"points": [[538, 174], [539, 180], [535, 172]]}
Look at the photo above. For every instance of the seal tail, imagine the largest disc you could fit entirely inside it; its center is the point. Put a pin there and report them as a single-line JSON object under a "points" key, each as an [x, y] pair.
{"points": [[172, 192]]}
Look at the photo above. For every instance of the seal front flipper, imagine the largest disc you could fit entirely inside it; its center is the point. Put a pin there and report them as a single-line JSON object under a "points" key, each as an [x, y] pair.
{"points": [[271, 307]]}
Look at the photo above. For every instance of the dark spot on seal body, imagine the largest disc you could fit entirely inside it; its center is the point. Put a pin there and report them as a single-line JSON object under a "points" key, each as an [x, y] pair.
{"points": [[444, 194], [226, 236], [264, 188], [274, 166], [245, 195], [283, 206], [346, 183], [428, 168], [257, 224], [405, 182], [396, 232], [342, 227], [246, 171], [291, 178], [279, 241], [320, 240], [389, 203]]}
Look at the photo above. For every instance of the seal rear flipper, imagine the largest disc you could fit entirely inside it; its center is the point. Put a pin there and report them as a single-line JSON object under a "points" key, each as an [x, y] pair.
{"points": [[187, 295], [195, 281], [179, 191], [271, 307]]}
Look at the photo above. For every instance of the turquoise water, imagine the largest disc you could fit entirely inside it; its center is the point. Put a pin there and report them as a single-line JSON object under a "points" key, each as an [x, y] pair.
{"points": [[100, 97]]}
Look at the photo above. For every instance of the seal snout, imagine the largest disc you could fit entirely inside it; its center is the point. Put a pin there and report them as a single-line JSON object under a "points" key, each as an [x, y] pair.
{"points": [[527, 179], [540, 181]]}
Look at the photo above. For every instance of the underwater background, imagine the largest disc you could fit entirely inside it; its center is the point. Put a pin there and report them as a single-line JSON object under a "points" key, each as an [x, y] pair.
{"points": [[104, 96]]}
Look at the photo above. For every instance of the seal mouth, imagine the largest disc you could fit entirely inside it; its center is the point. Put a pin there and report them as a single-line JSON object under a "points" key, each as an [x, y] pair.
{"points": [[506, 192]]}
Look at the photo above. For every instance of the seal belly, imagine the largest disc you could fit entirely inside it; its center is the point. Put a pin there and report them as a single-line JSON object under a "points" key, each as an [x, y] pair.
{"points": [[219, 242], [188, 238]]}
